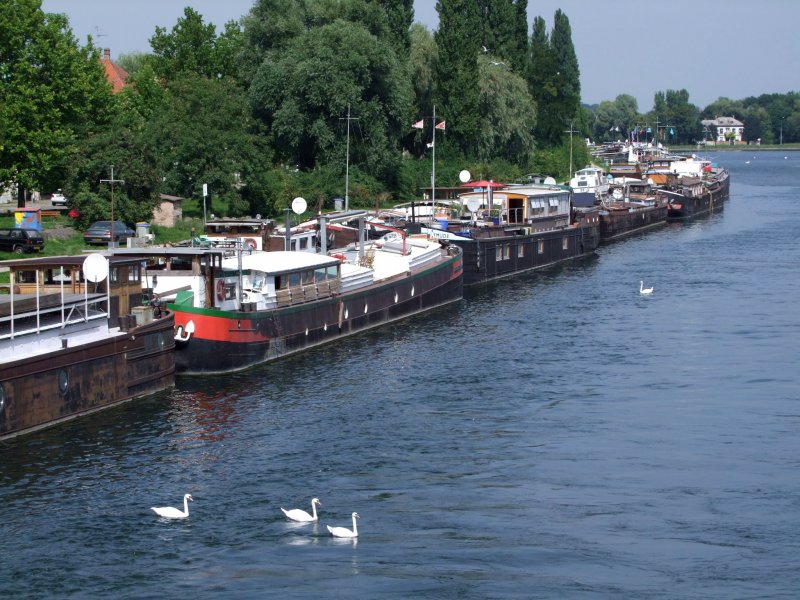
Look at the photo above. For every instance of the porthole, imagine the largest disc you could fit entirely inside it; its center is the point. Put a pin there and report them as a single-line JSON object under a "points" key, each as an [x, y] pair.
{"points": [[63, 381], [161, 340]]}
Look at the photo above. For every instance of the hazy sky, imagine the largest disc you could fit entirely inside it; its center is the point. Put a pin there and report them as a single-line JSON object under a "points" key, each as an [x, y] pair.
{"points": [[711, 48]]}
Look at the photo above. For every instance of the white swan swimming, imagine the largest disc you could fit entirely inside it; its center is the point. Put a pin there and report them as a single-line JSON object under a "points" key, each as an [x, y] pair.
{"points": [[170, 512], [297, 514], [344, 532], [643, 290]]}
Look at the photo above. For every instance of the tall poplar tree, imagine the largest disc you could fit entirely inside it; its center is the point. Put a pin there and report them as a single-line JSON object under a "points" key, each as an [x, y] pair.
{"points": [[458, 43]]}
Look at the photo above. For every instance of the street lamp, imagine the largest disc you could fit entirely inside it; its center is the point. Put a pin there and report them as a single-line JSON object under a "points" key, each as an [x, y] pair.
{"points": [[782, 118]]}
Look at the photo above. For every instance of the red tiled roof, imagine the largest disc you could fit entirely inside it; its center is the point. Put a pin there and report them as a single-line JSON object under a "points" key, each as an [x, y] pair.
{"points": [[116, 75]]}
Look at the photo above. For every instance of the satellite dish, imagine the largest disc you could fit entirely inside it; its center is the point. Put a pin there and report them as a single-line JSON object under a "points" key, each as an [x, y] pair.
{"points": [[617, 193], [650, 181], [549, 181], [95, 268], [473, 204], [464, 176], [299, 205]]}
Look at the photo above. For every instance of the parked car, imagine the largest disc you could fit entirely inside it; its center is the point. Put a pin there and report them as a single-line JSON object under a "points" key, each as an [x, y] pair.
{"points": [[58, 198], [100, 232], [21, 240]]}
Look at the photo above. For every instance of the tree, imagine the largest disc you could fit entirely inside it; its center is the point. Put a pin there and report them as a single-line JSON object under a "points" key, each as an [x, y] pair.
{"points": [[302, 94], [53, 93], [554, 79], [194, 47], [507, 113], [457, 71], [205, 134]]}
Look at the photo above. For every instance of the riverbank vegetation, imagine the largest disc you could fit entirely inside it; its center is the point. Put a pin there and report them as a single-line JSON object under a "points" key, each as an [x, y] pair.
{"points": [[317, 99]]}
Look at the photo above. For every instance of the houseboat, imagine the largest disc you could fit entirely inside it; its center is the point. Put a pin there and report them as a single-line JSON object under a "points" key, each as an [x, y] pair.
{"points": [[631, 207], [696, 192], [519, 227], [77, 335], [236, 310]]}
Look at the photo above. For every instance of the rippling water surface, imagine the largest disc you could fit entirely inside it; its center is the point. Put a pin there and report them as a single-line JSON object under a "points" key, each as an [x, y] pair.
{"points": [[553, 435]]}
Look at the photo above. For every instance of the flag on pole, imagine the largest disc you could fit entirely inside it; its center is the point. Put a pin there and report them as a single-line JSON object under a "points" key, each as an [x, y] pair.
{"points": [[419, 124], [440, 126]]}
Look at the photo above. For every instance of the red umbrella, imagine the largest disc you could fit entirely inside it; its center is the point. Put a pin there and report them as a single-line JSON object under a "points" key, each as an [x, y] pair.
{"points": [[484, 184]]}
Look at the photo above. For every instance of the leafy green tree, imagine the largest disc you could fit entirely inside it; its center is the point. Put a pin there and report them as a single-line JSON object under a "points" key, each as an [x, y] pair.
{"points": [[134, 163], [507, 113], [400, 17], [53, 93], [423, 56], [194, 47], [302, 95], [457, 71], [134, 61], [673, 111], [205, 135]]}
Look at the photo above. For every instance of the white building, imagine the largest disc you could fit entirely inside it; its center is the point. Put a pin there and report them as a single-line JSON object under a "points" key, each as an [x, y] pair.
{"points": [[724, 125]]}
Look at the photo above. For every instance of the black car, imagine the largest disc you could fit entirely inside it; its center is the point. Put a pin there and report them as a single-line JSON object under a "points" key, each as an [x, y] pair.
{"points": [[100, 232], [20, 240]]}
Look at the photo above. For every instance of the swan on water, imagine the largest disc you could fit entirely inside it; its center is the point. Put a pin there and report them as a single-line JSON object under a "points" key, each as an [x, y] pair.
{"points": [[170, 512], [644, 290], [298, 514], [344, 532]]}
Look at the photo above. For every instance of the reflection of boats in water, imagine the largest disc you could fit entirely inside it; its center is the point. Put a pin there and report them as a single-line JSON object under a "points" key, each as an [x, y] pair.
{"points": [[70, 344]]}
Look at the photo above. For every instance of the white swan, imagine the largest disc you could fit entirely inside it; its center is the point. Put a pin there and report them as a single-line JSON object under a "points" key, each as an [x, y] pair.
{"points": [[170, 512], [344, 532], [298, 514], [643, 290]]}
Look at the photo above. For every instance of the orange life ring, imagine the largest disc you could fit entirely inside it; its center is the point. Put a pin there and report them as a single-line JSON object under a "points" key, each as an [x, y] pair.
{"points": [[341, 257], [220, 290], [250, 244]]}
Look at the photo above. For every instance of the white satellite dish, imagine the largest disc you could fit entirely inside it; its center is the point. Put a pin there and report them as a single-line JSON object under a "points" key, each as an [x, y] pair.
{"points": [[299, 205], [95, 268], [617, 193], [549, 181], [473, 204], [464, 176], [650, 181]]}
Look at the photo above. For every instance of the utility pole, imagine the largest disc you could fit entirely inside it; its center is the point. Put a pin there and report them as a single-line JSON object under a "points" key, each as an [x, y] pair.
{"points": [[570, 131], [347, 163], [112, 181]]}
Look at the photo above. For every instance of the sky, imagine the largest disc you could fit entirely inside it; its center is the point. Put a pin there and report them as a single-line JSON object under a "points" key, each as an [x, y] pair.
{"points": [[710, 48]]}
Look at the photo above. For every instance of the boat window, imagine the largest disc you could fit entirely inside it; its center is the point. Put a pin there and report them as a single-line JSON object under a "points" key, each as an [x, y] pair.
{"points": [[565, 243], [320, 274], [25, 277], [308, 277], [134, 273], [55, 276], [333, 271], [521, 251], [294, 279], [303, 243], [540, 248]]}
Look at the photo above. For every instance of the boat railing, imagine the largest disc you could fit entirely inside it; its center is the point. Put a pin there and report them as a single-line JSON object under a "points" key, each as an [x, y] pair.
{"points": [[307, 293]]}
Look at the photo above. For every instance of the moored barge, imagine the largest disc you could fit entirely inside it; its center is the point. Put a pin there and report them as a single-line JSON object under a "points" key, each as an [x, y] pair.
{"points": [[71, 345]]}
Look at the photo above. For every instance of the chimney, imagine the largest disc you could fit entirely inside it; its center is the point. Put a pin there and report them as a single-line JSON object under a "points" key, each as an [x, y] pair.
{"points": [[107, 54]]}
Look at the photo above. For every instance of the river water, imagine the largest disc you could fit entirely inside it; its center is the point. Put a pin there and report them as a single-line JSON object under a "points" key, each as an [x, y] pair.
{"points": [[553, 435]]}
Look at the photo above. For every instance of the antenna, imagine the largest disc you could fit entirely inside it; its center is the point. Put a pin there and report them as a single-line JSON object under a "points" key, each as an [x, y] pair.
{"points": [[97, 32]]}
